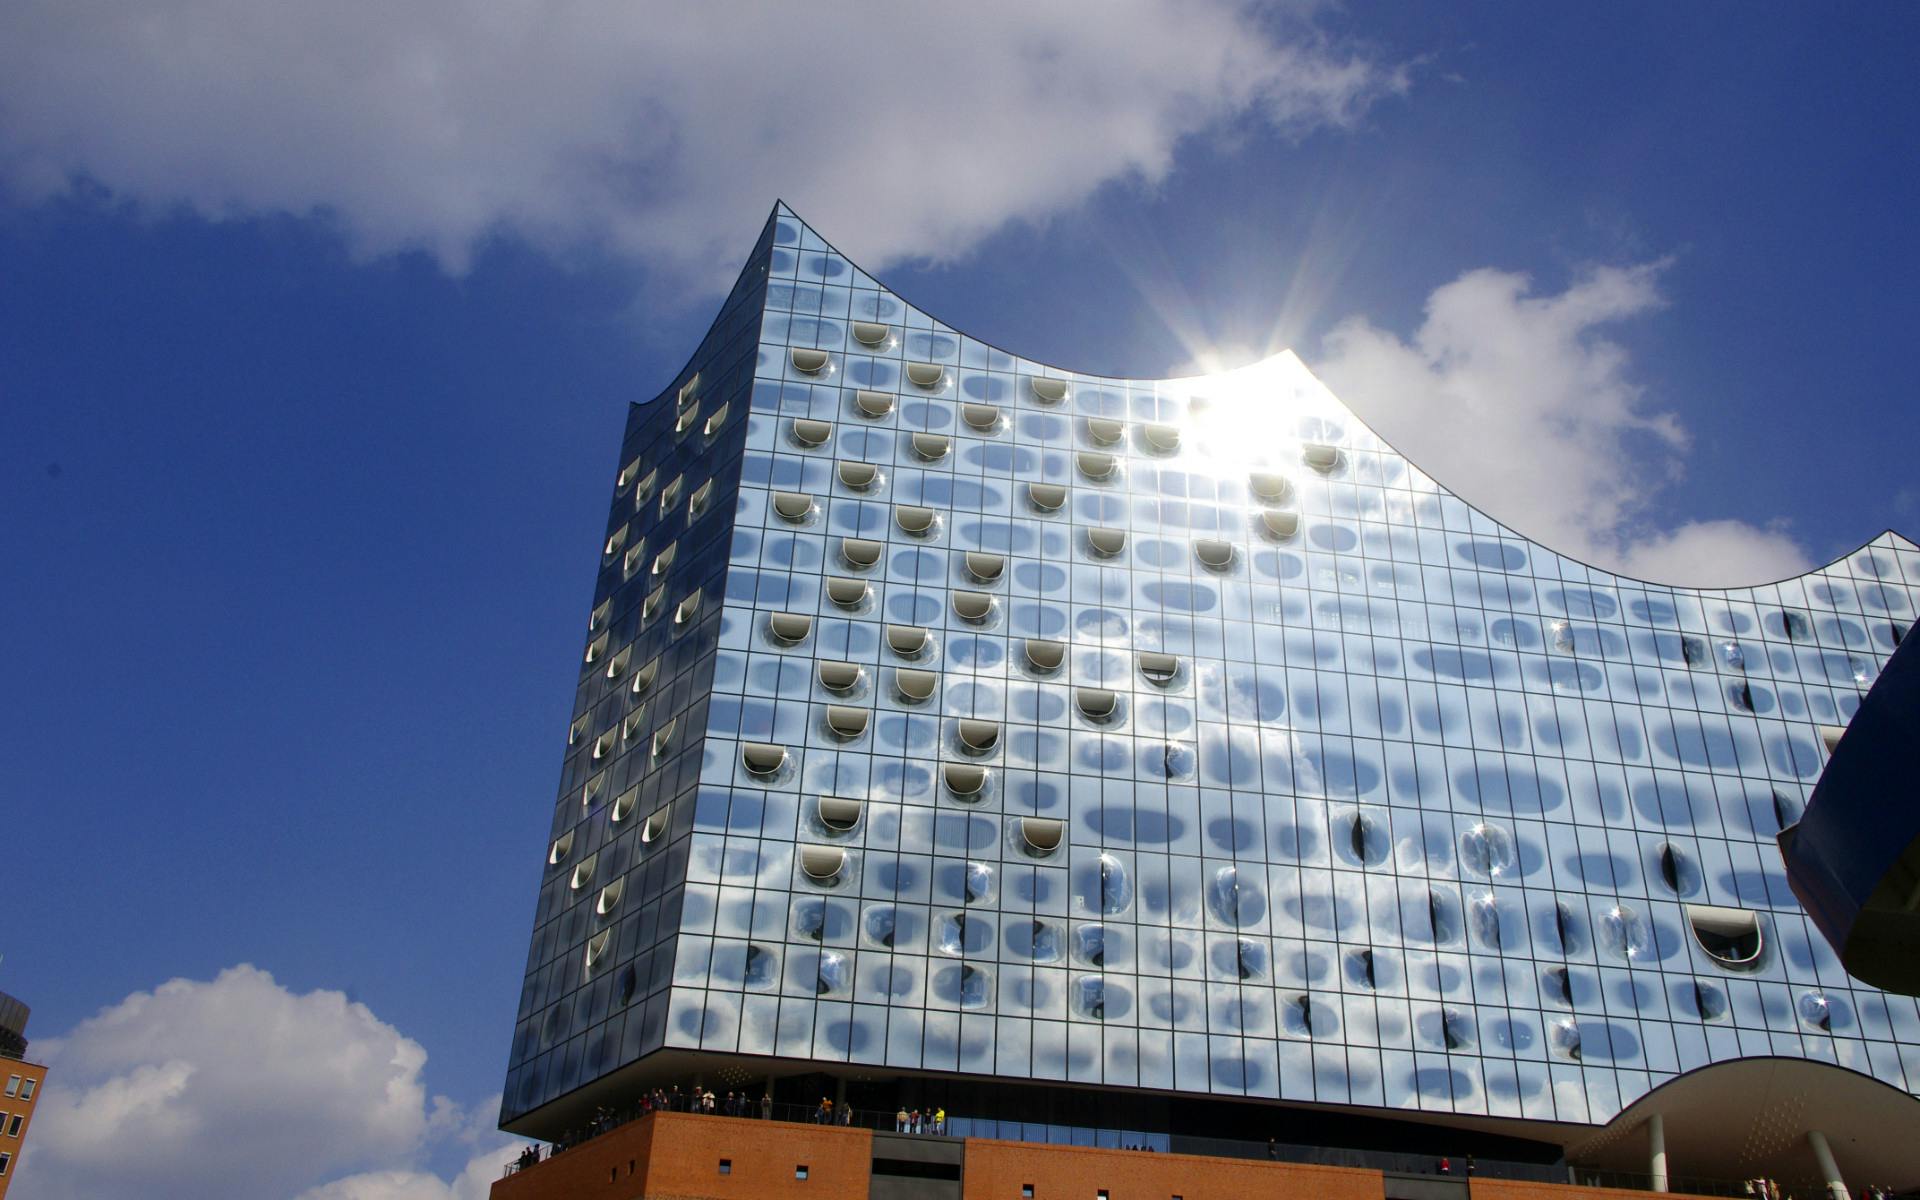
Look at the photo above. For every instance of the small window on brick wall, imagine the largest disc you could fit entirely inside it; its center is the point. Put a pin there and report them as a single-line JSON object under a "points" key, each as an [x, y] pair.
{"points": [[800, 1171], [726, 1166]]}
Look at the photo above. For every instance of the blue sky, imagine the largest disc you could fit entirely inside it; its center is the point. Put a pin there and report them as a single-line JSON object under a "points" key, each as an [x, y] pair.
{"points": [[311, 381]]}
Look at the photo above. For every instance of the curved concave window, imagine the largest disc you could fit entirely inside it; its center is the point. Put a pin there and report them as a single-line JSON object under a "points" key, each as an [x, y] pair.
{"points": [[1272, 488], [847, 593], [1164, 438], [1214, 553], [791, 628], [1048, 497], [930, 446], [858, 475], [870, 333], [643, 490], [793, 506], [839, 677], [1321, 458], [697, 503], [822, 864], [1049, 391], [982, 417], [687, 609], [1095, 465], [596, 649], [650, 607], [663, 560], [963, 779], [1486, 850], [1485, 914], [838, 814], [1673, 868], [1107, 542], [912, 518], [859, 552], [915, 685], [626, 475], [1816, 1009], [812, 433], [615, 540], [583, 872], [979, 736], [562, 846], [1106, 432], [873, 404], [644, 677], [972, 606], [656, 825], [1731, 937], [670, 495], [1044, 655], [687, 416], [1785, 811], [985, 567], [623, 805], [906, 640], [1566, 1039], [807, 362], [846, 721], [663, 738], [715, 421], [1280, 525], [610, 897], [1096, 704], [1830, 736], [926, 375], [760, 758], [597, 947], [1158, 668]]}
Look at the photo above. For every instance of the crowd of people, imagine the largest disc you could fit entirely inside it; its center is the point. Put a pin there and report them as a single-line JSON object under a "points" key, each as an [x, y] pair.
{"points": [[733, 1104], [1767, 1189], [915, 1120]]}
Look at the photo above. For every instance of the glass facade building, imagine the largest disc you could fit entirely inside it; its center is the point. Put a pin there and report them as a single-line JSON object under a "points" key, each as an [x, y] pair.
{"points": [[945, 714]]}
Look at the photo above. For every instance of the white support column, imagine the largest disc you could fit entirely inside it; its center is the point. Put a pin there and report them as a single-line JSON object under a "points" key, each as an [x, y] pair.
{"points": [[1829, 1169], [1657, 1150]]}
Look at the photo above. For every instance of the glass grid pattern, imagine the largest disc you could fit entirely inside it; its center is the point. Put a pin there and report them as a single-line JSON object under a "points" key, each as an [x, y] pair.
{"points": [[1422, 818]]}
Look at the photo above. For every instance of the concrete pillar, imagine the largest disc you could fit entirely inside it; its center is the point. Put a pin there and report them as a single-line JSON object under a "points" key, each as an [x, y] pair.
{"points": [[1829, 1169], [840, 1093], [1657, 1150]]}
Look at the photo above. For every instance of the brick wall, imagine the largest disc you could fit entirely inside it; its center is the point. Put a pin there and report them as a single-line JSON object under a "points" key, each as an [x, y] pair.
{"points": [[998, 1171], [676, 1156]]}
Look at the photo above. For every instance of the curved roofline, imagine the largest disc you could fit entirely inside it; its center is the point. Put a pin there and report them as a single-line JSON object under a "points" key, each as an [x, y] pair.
{"points": [[780, 206], [1787, 1060]]}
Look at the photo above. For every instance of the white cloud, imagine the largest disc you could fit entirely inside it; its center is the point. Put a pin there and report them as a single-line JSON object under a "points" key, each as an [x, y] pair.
{"points": [[239, 1088], [1521, 404], [661, 130], [474, 1182]]}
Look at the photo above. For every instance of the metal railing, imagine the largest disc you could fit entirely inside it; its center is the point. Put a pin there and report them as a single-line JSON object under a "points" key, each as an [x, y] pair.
{"points": [[1460, 1166]]}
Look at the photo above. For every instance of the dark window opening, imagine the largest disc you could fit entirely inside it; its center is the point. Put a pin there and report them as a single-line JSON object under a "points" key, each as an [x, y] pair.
{"points": [[902, 1168], [726, 1166], [800, 1172]]}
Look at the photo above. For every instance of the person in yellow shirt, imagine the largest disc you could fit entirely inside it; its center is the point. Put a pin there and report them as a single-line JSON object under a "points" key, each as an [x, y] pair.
{"points": [[940, 1121]]}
